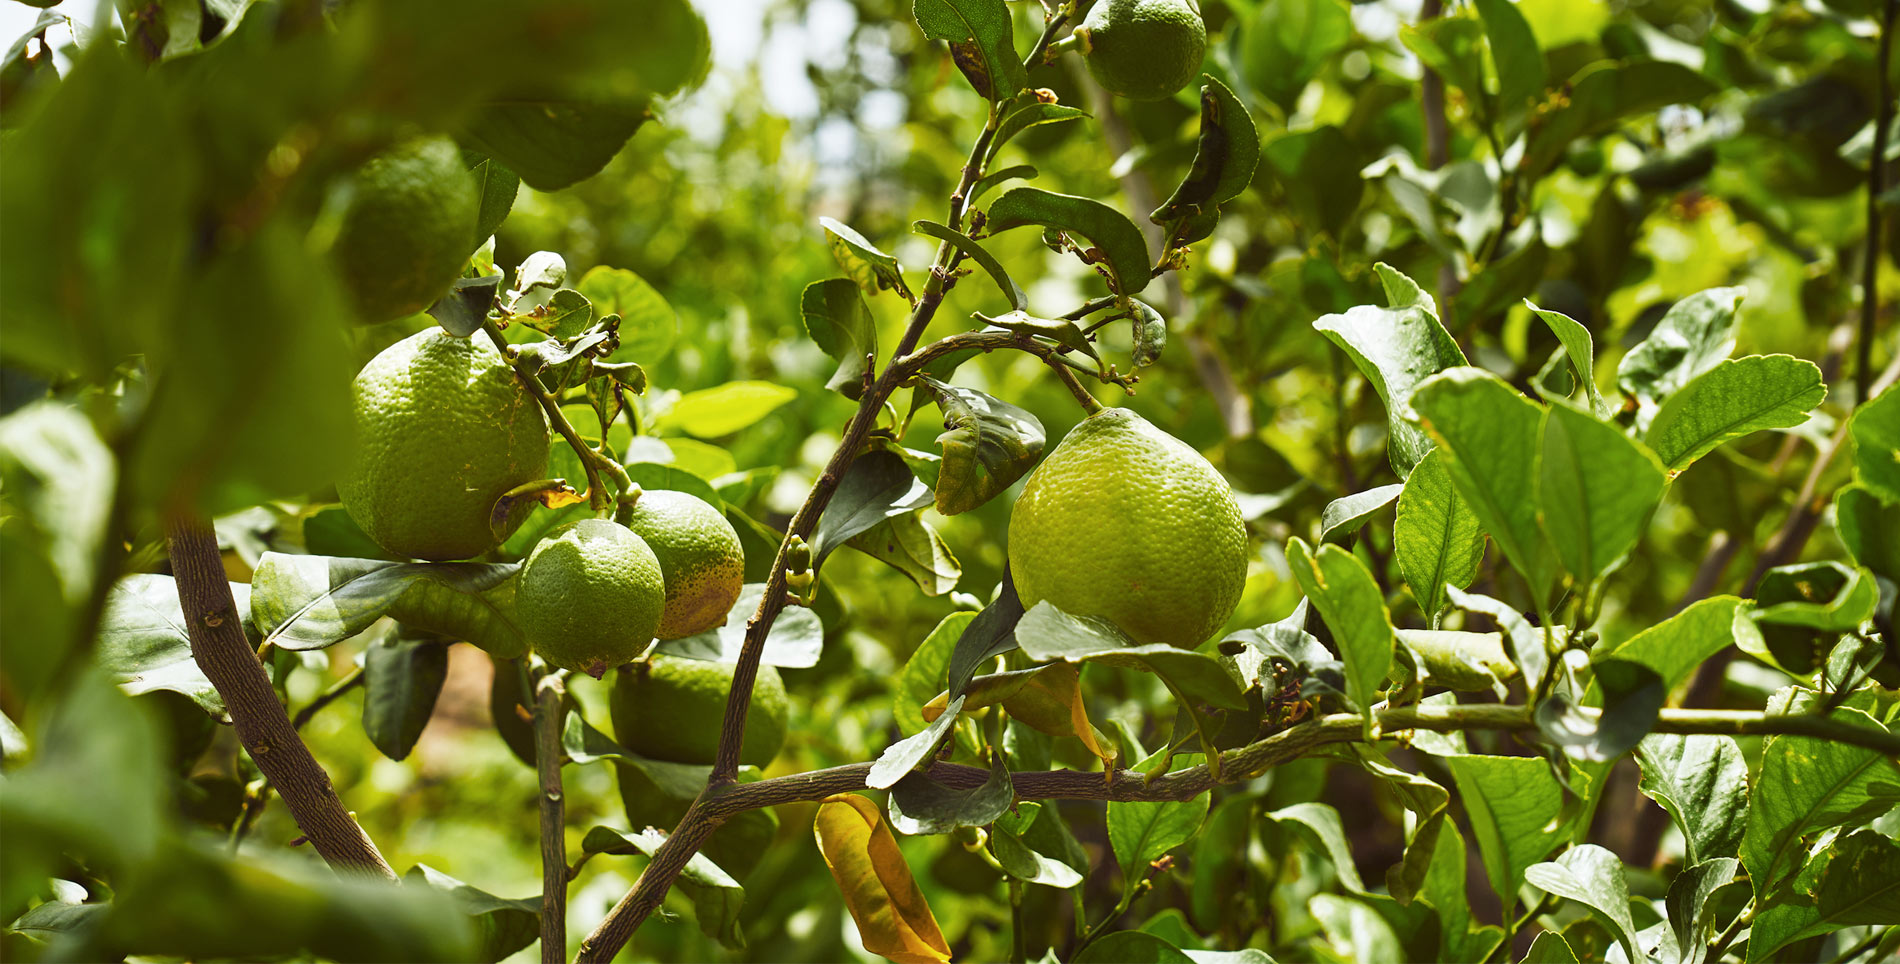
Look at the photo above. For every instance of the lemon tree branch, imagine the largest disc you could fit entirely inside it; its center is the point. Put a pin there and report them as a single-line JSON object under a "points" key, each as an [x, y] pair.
{"points": [[647, 892], [550, 701], [593, 462]]}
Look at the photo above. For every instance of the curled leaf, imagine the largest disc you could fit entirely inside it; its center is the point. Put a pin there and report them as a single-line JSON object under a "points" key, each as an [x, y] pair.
{"points": [[863, 261], [514, 505], [1118, 240], [987, 445], [1151, 333], [892, 916], [1224, 163]]}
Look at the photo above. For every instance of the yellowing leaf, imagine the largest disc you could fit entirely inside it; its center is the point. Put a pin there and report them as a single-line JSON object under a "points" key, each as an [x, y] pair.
{"points": [[892, 916], [1052, 702]]}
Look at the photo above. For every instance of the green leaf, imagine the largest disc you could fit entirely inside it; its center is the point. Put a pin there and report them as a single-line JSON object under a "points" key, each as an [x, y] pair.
{"points": [[402, 676], [1396, 348], [143, 643], [1824, 596], [903, 756], [1224, 159], [1677, 645], [1603, 95], [498, 186], [1356, 931], [1319, 171], [862, 261], [1047, 633], [671, 477], [1490, 434], [1122, 249], [1733, 398], [1866, 526], [1693, 336], [1287, 42], [1025, 864], [1454, 47], [1593, 877], [913, 547], [1349, 600], [1550, 948], [1687, 905], [1150, 334], [1862, 882], [1581, 351], [1525, 642], [502, 926], [585, 744], [1140, 832], [839, 321], [920, 805], [1876, 431], [795, 640], [1806, 785], [980, 41], [717, 898], [878, 486], [990, 180], [989, 635], [648, 325], [1346, 514], [979, 254], [1596, 490], [1458, 660], [1130, 947], [1515, 805], [987, 445], [1435, 537], [310, 602], [722, 410], [926, 671], [1520, 65], [552, 142], [1062, 331], [1321, 826], [1030, 112]]}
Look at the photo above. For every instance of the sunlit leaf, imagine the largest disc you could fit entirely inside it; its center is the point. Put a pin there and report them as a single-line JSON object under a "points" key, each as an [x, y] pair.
{"points": [[1395, 349], [1805, 785], [1049, 633], [1593, 877], [1514, 804], [796, 637], [892, 916], [1349, 600], [1734, 397], [1435, 537], [1687, 905], [1346, 514], [987, 445], [862, 261], [309, 602], [980, 42], [1596, 489], [1695, 335], [717, 897], [1581, 351], [1876, 432], [648, 324], [1122, 249], [979, 254]]}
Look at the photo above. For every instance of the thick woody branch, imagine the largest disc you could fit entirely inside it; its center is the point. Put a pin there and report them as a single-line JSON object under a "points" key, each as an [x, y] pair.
{"points": [[222, 652]]}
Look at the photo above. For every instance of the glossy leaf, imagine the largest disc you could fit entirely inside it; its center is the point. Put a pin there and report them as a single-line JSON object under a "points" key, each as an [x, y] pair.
{"points": [[1224, 159], [1458, 660], [903, 756], [1027, 112], [1150, 334], [1062, 331], [862, 261], [1687, 906], [1596, 490], [1593, 877], [1579, 349], [980, 42], [1435, 537], [1525, 643], [1703, 782], [1677, 645], [1862, 882], [1490, 434], [1122, 249], [1733, 398], [987, 445], [920, 805], [502, 926], [1321, 826], [877, 486], [1805, 785], [1349, 600], [1695, 335], [1356, 931], [912, 546], [1346, 514], [143, 643], [1046, 633], [1514, 804], [979, 254], [310, 602], [837, 319], [991, 634], [1876, 431], [1550, 948], [1866, 526], [1395, 349], [795, 640], [498, 186], [402, 676], [892, 916]]}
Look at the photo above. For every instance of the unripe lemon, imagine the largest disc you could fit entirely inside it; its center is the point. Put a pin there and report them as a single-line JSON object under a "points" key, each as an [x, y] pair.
{"points": [[445, 430], [590, 596], [671, 708], [700, 554], [1125, 522], [1143, 49], [406, 233]]}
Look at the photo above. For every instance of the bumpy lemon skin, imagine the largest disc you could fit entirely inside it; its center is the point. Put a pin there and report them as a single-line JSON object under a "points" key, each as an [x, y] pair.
{"points": [[445, 430], [406, 232], [1125, 522], [701, 555], [672, 708], [1143, 49], [590, 596]]}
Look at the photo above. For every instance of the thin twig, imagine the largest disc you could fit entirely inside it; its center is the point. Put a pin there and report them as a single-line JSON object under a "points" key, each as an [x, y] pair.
{"points": [[592, 461], [328, 696], [1876, 171], [550, 701], [222, 652], [255, 802]]}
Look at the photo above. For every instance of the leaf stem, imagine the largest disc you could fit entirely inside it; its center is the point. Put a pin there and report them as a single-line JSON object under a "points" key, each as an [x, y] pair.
{"points": [[550, 701]]}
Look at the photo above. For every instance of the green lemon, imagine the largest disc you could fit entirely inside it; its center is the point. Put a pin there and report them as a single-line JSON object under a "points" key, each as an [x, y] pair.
{"points": [[1125, 522], [700, 554], [589, 596], [405, 235], [1143, 49], [671, 708], [445, 430]]}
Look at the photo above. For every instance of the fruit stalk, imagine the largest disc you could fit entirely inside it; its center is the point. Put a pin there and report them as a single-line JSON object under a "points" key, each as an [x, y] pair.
{"points": [[550, 700], [686, 839], [224, 654]]}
